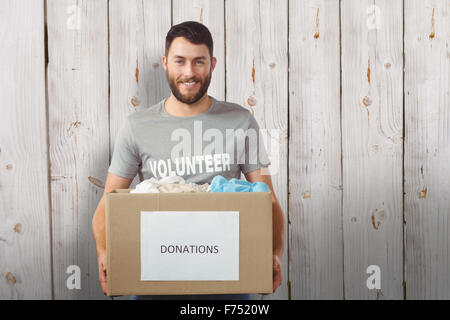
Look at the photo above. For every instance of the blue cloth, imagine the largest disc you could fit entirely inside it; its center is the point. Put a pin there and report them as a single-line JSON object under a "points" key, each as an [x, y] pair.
{"points": [[220, 184], [194, 297]]}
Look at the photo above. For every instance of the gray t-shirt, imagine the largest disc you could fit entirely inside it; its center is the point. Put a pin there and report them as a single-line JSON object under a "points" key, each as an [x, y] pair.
{"points": [[223, 140]]}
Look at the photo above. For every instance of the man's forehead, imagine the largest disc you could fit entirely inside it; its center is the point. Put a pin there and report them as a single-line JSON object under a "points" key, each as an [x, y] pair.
{"points": [[181, 47]]}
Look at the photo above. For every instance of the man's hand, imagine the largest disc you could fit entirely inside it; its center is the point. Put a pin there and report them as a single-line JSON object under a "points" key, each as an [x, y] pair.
{"points": [[101, 258], [99, 227], [277, 274]]}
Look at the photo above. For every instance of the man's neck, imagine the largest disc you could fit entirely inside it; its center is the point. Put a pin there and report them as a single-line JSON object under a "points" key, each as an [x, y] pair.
{"points": [[179, 109]]}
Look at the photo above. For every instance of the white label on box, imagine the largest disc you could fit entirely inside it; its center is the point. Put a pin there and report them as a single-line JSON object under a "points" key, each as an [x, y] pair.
{"points": [[189, 245]]}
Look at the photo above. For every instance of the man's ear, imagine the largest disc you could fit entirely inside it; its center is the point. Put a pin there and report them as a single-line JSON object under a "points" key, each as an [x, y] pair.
{"points": [[213, 63], [164, 62]]}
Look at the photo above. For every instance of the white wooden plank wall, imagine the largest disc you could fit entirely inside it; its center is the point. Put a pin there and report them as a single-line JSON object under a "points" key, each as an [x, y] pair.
{"points": [[25, 257], [315, 192], [356, 94], [372, 146], [427, 149], [78, 130]]}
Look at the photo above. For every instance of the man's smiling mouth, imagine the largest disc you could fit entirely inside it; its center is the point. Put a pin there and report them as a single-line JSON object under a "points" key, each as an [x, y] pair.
{"points": [[189, 84]]}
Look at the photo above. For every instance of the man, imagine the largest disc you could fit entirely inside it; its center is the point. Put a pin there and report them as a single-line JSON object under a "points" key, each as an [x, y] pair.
{"points": [[147, 143]]}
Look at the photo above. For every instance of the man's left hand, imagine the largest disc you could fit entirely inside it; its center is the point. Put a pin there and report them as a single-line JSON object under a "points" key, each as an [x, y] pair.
{"points": [[277, 274]]}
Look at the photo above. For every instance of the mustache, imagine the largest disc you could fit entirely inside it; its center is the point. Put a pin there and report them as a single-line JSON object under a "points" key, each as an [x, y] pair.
{"points": [[189, 80]]}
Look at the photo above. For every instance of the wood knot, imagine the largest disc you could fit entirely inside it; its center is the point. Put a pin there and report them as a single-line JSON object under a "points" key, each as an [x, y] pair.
{"points": [[10, 278], [96, 182], [17, 228], [135, 101], [137, 71], [375, 224], [367, 101], [423, 194], [253, 72], [377, 217], [73, 125], [251, 101]]}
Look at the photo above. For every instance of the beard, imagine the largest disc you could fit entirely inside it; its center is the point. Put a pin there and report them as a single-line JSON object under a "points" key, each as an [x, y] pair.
{"points": [[189, 98]]}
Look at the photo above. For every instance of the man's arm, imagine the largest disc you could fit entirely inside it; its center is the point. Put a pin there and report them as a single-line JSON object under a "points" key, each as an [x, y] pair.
{"points": [[99, 227], [278, 221]]}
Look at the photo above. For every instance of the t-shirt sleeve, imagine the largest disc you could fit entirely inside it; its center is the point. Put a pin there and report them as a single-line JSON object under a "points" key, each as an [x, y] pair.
{"points": [[255, 151], [125, 161]]}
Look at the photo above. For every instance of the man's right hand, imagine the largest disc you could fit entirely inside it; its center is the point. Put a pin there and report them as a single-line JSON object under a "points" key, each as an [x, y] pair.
{"points": [[98, 224], [101, 258]]}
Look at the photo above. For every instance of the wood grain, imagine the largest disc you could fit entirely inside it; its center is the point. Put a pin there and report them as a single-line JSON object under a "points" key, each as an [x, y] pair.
{"points": [[427, 152], [372, 115], [25, 257], [78, 131], [315, 187]]}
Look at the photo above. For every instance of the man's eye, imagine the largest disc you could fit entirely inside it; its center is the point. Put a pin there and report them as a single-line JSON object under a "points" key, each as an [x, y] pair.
{"points": [[200, 62], [178, 61]]}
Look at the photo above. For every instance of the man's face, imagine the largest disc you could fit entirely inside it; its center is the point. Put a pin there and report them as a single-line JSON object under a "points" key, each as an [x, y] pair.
{"points": [[188, 69]]}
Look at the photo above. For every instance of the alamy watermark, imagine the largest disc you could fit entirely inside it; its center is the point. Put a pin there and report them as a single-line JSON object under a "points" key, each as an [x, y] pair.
{"points": [[74, 280], [215, 150], [374, 280]]}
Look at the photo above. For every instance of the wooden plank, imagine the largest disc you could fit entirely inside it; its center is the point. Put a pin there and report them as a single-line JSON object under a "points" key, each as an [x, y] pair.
{"points": [[427, 152], [137, 43], [315, 254], [25, 267], [211, 14], [78, 119], [372, 129], [256, 63]]}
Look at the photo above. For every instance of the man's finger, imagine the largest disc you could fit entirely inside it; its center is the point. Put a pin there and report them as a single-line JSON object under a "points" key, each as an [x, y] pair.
{"points": [[103, 285], [102, 279]]}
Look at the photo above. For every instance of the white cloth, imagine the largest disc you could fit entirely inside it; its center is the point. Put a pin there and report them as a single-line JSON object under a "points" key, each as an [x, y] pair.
{"points": [[188, 187], [169, 184]]}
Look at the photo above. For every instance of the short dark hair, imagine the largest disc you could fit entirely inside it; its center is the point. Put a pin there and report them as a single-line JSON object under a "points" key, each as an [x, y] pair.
{"points": [[192, 31]]}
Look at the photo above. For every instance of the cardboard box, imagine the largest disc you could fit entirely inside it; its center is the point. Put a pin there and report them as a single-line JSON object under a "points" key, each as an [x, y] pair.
{"points": [[127, 213]]}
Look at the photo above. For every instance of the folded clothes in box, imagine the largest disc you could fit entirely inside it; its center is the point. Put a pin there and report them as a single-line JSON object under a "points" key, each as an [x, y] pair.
{"points": [[175, 184]]}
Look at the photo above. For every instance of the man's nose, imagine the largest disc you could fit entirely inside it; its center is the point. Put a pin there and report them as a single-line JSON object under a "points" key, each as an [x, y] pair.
{"points": [[188, 70]]}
